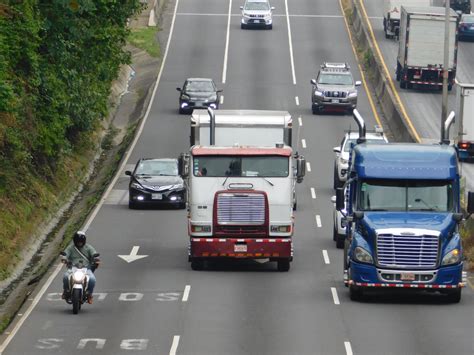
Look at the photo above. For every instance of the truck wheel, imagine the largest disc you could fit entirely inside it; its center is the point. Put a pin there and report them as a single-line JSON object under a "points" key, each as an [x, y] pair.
{"points": [[454, 296], [283, 265], [334, 233], [355, 293], [197, 264], [340, 241], [335, 183]]}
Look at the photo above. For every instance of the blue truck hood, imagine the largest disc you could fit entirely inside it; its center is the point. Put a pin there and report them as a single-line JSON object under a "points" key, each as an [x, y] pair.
{"points": [[441, 222]]}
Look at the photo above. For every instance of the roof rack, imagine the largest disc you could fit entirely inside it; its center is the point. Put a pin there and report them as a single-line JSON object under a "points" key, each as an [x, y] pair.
{"points": [[330, 65]]}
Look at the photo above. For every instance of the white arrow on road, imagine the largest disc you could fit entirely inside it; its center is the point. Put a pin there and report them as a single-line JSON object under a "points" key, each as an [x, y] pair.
{"points": [[133, 255]]}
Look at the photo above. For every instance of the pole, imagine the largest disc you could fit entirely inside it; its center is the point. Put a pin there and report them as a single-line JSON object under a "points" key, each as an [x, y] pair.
{"points": [[444, 105]]}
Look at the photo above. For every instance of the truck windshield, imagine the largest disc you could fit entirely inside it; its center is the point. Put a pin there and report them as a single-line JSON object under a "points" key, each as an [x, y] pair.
{"points": [[406, 195], [241, 166]]}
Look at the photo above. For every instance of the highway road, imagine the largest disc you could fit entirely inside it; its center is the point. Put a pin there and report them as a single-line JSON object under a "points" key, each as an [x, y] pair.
{"points": [[423, 106], [157, 304]]}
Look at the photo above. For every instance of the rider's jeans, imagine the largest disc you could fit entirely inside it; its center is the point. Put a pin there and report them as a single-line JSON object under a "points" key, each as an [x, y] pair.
{"points": [[90, 288]]}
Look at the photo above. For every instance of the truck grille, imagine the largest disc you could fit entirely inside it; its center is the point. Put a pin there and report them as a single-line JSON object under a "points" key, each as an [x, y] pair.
{"points": [[408, 251], [241, 208]]}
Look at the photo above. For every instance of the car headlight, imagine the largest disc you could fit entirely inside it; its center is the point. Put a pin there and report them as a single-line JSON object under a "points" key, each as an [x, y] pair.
{"points": [[353, 94], [136, 185], [177, 186], [318, 93], [185, 97], [362, 255], [453, 257]]}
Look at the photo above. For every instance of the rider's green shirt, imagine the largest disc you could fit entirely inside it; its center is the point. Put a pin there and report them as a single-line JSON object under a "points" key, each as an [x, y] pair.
{"points": [[73, 254]]}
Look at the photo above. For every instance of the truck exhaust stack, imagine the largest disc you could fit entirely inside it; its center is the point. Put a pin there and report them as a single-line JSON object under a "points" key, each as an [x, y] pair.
{"points": [[360, 122], [447, 125], [212, 126]]}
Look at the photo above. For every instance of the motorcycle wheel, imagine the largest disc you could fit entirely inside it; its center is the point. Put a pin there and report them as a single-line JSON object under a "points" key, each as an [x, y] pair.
{"points": [[76, 300]]}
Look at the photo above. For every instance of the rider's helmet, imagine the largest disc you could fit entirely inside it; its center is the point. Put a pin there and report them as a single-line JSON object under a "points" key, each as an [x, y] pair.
{"points": [[79, 239]]}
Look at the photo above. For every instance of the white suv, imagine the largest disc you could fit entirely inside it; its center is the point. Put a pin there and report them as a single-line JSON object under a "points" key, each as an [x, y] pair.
{"points": [[342, 152], [257, 13]]}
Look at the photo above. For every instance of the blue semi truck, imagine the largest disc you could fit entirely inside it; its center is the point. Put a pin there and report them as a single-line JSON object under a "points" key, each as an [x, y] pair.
{"points": [[403, 216]]}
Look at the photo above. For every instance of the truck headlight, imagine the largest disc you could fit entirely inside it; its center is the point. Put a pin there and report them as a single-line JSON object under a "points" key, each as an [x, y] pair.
{"points": [[362, 255], [453, 257]]}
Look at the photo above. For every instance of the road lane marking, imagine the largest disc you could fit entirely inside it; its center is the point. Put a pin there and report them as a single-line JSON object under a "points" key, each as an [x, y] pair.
{"points": [[174, 346], [387, 73], [348, 347], [313, 193], [300, 121], [290, 43], [326, 257], [318, 221], [308, 167], [226, 51], [221, 100], [186, 293], [303, 143], [128, 153], [297, 100], [334, 295]]}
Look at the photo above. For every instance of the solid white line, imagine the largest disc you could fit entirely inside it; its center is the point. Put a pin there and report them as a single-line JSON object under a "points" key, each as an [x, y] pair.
{"points": [[221, 100], [175, 344], [303, 143], [313, 193], [224, 70], [300, 121], [308, 167], [106, 193], [318, 221], [348, 348], [290, 44], [326, 257], [334, 295], [186, 293]]}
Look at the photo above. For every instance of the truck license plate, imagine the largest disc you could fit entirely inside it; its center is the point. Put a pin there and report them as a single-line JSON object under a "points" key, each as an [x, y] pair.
{"points": [[240, 248], [156, 196], [335, 101], [407, 276]]}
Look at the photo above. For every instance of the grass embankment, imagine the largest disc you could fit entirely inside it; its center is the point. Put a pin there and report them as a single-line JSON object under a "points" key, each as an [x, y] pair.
{"points": [[145, 38]]}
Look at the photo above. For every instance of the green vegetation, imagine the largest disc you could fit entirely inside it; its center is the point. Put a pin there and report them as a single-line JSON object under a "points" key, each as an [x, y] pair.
{"points": [[145, 38], [467, 233], [57, 62]]}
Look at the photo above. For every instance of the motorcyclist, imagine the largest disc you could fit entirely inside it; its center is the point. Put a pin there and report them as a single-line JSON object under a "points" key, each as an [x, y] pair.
{"points": [[80, 253]]}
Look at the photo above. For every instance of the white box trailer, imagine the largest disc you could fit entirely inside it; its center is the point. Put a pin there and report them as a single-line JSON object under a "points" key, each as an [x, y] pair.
{"points": [[421, 47], [242, 127], [464, 121], [391, 14]]}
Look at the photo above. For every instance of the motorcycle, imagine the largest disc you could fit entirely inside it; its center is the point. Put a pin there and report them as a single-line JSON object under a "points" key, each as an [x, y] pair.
{"points": [[78, 282]]}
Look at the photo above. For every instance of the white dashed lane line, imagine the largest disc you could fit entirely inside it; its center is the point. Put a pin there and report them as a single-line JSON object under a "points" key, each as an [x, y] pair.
{"points": [[303, 143], [297, 100], [174, 345], [326, 257], [334, 295], [308, 167], [318, 221], [313, 193], [348, 348], [187, 289], [221, 101], [300, 121]]}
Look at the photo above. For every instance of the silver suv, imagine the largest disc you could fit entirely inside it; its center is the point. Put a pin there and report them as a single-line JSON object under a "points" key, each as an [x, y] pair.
{"points": [[257, 13], [334, 88], [342, 152]]}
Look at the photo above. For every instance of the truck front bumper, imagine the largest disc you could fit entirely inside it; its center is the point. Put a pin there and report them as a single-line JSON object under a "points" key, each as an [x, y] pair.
{"points": [[363, 275], [242, 248]]}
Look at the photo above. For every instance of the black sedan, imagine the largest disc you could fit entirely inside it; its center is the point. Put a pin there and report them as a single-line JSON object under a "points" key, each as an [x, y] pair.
{"points": [[466, 27], [156, 182], [198, 93]]}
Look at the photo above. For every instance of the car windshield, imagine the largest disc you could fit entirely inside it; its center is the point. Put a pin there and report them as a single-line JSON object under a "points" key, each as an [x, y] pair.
{"points": [[204, 86], [157, 167], [335, 79], [241, 166], [405, 195], [347, 146], [467, 19], [253, 5]]}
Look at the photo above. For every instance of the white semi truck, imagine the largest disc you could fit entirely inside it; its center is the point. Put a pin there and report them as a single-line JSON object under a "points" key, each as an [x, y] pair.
{"points": [[421, 47], [391, 14], [464, 122], [240, 200]]}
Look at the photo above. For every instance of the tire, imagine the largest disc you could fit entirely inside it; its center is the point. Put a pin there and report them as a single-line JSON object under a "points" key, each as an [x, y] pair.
{"points": [[242, 26], [132, 205], [340, 241], [335, 178], [315, 110], [450, 87], [398, 73], [403, 84], [346, 247], [454, 296], [76, 300], [269, 27], [197, 264], [356, 293], [334, 233], [182, 206], [283, 265]]}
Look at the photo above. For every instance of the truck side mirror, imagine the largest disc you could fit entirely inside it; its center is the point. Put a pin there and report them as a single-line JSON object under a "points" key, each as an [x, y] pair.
{"points": [[470, 203], [340, 197], [183, 165], [300, 168], [337, 150], [313, 81]]}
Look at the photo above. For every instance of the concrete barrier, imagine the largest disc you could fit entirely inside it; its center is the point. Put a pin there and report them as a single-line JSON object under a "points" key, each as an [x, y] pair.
{"points": [[398, 124]]}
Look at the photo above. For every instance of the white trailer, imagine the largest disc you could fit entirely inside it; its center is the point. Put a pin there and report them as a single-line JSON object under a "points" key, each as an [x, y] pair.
{"points": [[242, 127], [464, 121], [391, 14], [421, 47]]}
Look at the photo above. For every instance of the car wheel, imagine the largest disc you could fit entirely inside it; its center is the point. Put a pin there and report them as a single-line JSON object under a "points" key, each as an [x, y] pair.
{"points": [[403, 84], [269, 27], [132, 205], [242, 26], [340, 238], [181, 111], [315, 110], [334, 231]]}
